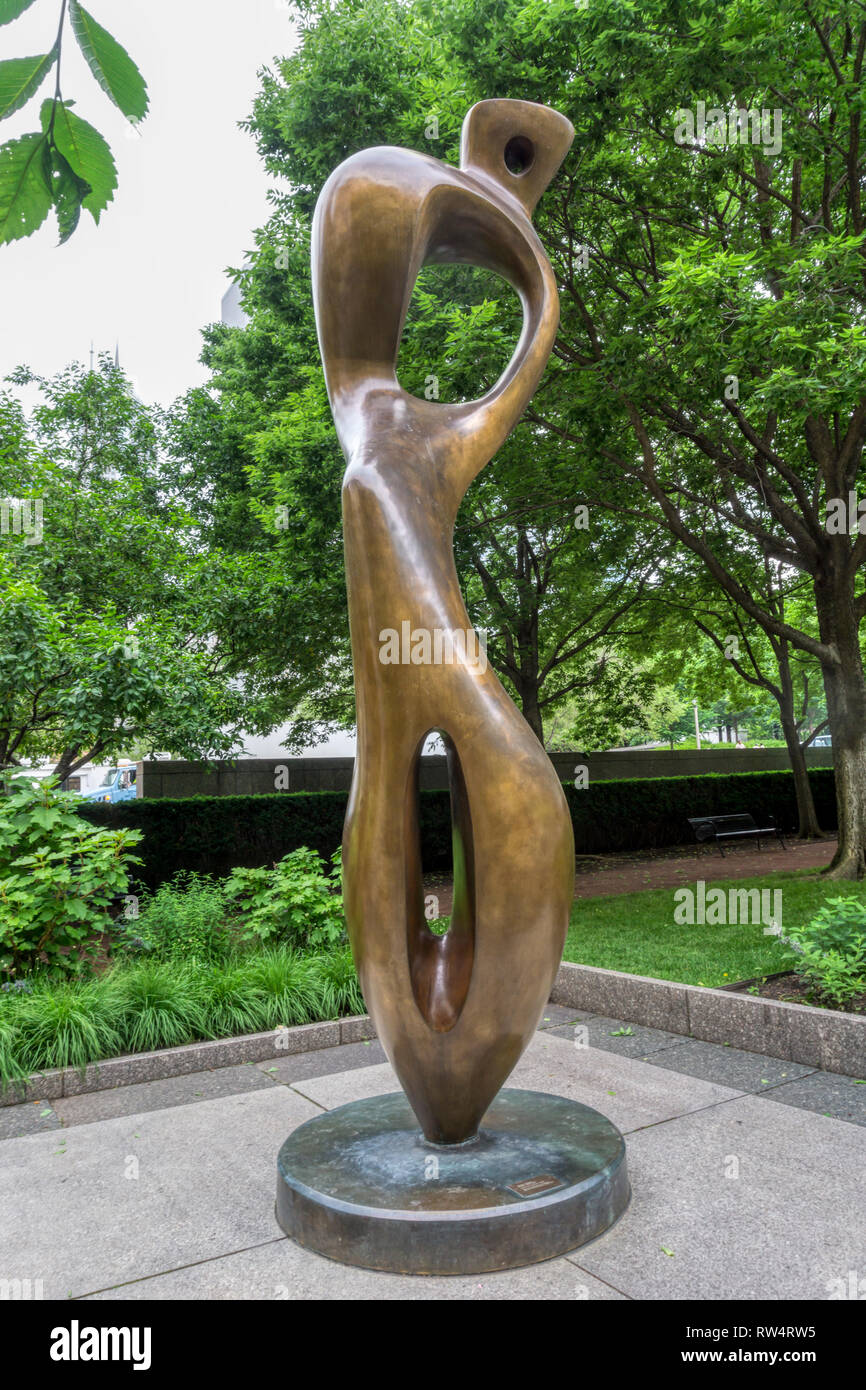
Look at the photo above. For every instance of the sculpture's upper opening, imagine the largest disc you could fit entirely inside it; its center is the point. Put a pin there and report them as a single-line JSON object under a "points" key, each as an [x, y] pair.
{"points": [[518, 144], [519, 155]]}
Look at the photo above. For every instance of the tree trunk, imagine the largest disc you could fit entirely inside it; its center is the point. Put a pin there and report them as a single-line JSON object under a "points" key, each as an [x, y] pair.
{"points": [[806, 813], [848, 729], [72, 758], [845, 686], [528, 692]]}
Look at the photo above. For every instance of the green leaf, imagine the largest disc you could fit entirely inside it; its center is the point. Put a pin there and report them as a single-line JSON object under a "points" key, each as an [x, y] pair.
{"points": [[69, 194], [87, 154], [110, 64], [25, 196], [11, 9], [20, 78]]}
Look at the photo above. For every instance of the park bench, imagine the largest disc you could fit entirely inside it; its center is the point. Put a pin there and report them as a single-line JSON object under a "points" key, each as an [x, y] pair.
{"points": [[740, 827]]}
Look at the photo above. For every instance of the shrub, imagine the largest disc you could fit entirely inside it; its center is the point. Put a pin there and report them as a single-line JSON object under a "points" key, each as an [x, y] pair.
{"points": [[58, 878], [183, 919], [831, 949], [214, 834], [294, 903]]}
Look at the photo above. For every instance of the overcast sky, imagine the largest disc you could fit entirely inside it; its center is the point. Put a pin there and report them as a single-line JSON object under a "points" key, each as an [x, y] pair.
{"points": [[191, 191]]}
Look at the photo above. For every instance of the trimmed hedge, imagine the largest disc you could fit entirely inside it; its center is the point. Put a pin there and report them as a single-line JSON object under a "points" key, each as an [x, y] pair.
{"points": [[214, 834]]}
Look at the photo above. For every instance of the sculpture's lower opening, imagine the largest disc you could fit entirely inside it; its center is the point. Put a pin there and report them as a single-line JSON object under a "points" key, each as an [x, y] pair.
{"points": [[440, 963]]}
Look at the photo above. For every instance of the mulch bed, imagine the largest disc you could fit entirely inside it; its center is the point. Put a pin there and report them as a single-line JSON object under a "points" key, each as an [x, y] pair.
{"points": [[790, 989]]}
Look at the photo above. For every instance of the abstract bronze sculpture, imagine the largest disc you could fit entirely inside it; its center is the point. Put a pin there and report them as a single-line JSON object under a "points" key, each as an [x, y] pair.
{"points": [[454, 1012]]}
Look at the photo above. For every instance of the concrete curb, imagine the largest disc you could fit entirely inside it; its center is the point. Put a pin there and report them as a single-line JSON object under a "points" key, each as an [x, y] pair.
{"points": [[821, 1038], [179, 1061]]}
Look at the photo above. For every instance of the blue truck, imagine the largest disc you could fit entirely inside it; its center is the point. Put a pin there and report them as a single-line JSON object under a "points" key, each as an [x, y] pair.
{"points": [[117, 785]]}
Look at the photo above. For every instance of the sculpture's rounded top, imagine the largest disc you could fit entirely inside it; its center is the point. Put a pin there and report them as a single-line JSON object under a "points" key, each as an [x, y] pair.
{"points": [[519, 144]]}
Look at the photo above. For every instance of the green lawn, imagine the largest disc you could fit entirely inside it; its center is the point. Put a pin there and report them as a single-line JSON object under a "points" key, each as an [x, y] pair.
{"points": [[636, 932]]}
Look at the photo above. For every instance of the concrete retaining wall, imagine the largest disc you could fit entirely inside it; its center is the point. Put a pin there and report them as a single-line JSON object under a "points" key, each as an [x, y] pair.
{"points": [[824, 1038], [261, 776]]}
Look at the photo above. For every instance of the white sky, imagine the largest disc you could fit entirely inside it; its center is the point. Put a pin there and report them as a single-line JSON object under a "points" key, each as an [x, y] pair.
{"points": [[191, 189]]}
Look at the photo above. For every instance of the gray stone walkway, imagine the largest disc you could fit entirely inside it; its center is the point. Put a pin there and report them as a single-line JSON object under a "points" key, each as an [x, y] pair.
{"points": [[747, 1174]]}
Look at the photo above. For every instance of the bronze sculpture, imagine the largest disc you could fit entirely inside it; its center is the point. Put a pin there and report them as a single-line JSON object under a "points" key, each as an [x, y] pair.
{"points": [[453, 1012]]}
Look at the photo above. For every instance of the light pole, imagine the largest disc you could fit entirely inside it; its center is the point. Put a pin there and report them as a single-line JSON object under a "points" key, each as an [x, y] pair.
{"points": [[697, 725]]}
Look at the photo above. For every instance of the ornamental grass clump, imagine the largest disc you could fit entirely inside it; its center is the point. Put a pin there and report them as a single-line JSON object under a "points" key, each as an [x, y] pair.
{"points": [[162, 1004], [337, 986], [232, 1000], [290, 985], [66, 1024]]}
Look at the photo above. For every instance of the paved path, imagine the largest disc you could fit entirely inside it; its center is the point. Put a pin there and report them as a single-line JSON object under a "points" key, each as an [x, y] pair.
{"points": [[746, 1170], [606, 875]]}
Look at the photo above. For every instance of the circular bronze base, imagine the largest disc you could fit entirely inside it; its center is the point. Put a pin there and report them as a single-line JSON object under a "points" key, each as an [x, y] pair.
{"points": [[362, 1185]]}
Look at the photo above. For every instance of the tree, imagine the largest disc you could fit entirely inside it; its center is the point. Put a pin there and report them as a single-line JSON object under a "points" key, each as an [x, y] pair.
{"points": [[712, 343], [78, 687], [552, 597], [732, 652], [119, 628], [556, 601]]}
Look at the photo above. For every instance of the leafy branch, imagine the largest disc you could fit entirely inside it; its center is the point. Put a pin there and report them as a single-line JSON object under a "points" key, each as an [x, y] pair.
{"points": [[67, 165]]}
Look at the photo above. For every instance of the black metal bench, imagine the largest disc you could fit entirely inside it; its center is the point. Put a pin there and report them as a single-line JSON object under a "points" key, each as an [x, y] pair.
{"points": [[742, 827]]}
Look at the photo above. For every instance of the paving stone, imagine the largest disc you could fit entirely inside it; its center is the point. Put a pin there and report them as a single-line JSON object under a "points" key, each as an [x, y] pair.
{"points": [[30, 1118], [757, 1196], [140, 1194], [752, 1024], [843, 1040], [753, 1200], [558, 1015], [160, 1095], [827, 1094], [613, 1035], [629, 1092], [325, 1061], [338, 1088], [799, 1033], [283, 1270], [744, 1071]]}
